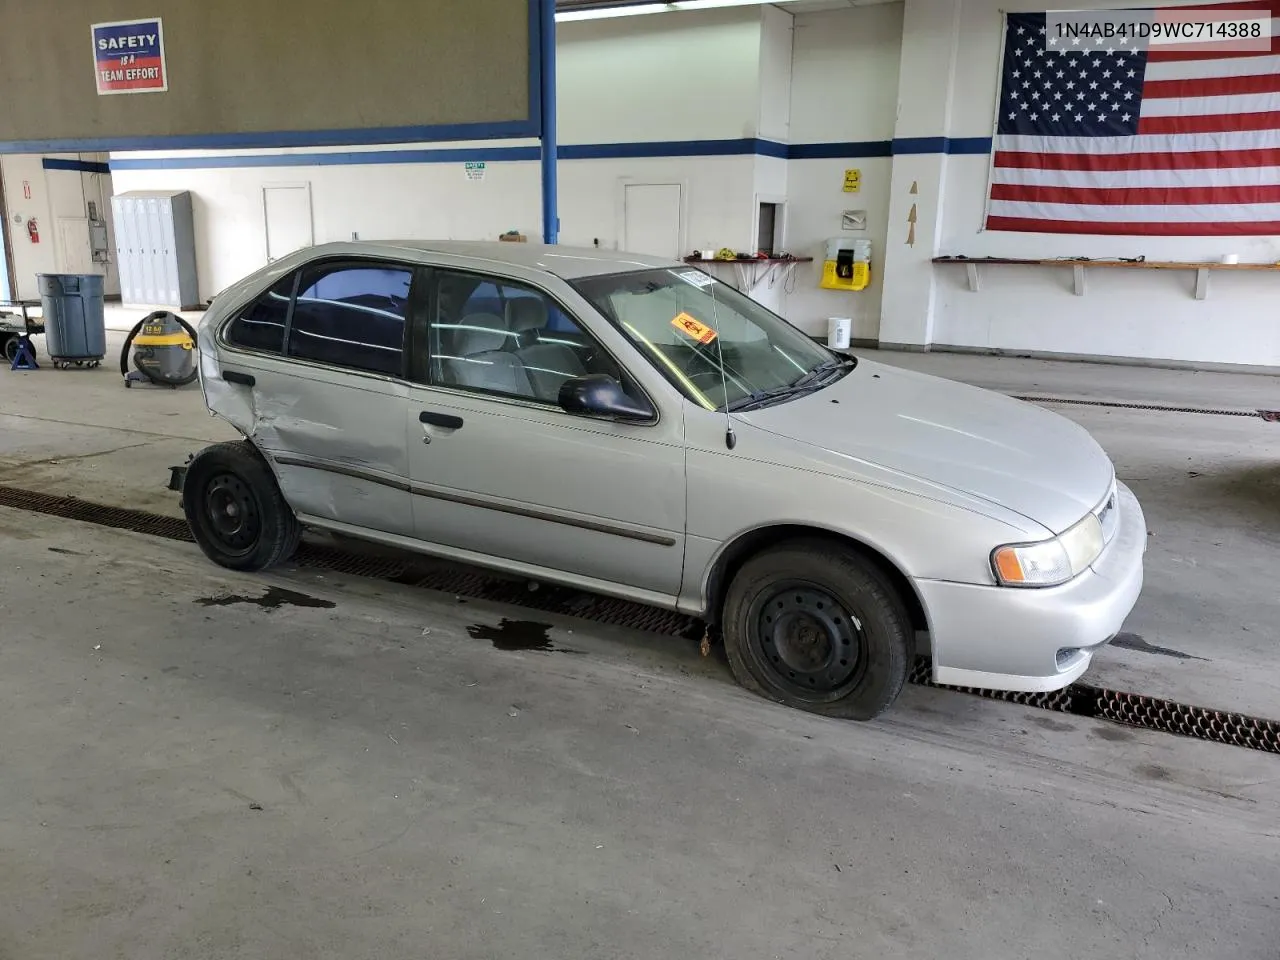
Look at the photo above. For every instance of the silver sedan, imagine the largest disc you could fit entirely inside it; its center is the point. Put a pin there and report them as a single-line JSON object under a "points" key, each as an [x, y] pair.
{"points": [[634, 427]]}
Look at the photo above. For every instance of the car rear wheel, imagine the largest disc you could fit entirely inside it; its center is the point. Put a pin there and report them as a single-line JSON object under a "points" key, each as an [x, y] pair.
{"points": [[815, 625], [235, 509]]}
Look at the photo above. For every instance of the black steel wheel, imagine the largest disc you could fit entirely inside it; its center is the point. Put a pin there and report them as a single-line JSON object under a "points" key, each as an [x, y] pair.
{"points": [[235, 509], [11, 349], [813, 646], [815, 625], [233, 513]]}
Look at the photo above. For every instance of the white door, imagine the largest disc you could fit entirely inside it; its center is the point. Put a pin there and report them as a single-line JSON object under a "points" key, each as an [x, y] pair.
{"points": [[73, 241], [652, 213], [287, 210]]}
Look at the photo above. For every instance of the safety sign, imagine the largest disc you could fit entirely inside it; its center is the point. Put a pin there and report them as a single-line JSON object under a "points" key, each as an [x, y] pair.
{"points": [[694, 328], [128, 56]]}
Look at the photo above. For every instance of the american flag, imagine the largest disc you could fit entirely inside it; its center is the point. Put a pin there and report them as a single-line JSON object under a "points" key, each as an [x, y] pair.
{"points": [[1107, 138]]}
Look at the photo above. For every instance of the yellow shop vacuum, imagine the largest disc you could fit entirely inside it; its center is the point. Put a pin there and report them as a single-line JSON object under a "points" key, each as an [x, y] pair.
{"points": [[164, 351]]}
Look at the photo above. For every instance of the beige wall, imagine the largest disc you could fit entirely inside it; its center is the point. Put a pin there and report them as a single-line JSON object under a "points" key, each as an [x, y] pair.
{"points": [[240, 66]]}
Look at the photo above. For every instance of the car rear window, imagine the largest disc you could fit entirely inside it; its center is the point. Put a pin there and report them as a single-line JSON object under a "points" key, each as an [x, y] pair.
{"points": [[352, 316]]}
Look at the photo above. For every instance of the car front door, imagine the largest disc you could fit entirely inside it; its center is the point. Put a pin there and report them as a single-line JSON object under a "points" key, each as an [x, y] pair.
{"points": [[499, 470], [321, 356]]}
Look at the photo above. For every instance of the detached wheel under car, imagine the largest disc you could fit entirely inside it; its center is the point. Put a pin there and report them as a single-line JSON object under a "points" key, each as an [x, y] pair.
{"points": [[815, 626], [235, 508]]}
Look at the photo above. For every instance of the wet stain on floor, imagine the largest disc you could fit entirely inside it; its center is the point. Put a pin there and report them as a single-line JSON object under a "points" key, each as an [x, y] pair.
{"points": [[517, 635], [1114, 734], [273, 599], [1131, 641], [1057, 726]]}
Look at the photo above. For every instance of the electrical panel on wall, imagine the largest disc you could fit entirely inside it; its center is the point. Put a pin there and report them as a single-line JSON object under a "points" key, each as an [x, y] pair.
{"points": [[99, 244]]}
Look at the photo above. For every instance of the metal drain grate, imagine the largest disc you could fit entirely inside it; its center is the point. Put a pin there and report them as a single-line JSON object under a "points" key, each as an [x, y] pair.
{"points": [[1145, 406], [73, 508], [1150, 713], [1135, 710]]}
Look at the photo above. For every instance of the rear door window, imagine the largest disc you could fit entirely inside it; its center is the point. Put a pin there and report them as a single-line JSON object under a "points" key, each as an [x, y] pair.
{"points": [[260, 325], [353, 316]]}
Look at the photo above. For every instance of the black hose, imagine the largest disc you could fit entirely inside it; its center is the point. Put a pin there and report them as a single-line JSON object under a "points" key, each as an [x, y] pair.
{"points": [[128, 342]]}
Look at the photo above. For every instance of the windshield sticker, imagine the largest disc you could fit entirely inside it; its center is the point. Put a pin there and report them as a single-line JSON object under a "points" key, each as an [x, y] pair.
{"points": [[697, 278], [694, 328]]}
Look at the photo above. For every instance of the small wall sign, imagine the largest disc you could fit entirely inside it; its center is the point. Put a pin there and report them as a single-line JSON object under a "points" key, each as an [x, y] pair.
{"points": [[128, 57], [852, 181]]}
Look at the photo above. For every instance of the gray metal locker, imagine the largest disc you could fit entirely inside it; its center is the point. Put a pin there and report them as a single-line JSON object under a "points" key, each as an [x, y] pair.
{"points": [[156, 249]]}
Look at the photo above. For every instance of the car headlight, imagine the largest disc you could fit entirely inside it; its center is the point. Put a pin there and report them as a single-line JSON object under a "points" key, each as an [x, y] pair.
{"points": [[1049, 562]]}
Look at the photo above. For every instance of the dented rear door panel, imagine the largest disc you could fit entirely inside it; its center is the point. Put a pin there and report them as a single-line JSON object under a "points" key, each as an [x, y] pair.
{"points": [[336, 439]]}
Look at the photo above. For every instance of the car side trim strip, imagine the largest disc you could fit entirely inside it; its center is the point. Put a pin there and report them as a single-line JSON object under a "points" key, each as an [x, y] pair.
{"points": [[483, 503], [344, 471], [502, 506]]}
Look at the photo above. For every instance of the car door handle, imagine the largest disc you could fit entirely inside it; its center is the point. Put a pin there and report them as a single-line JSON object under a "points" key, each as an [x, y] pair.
{"points": [[243, 379], [440, 419]]}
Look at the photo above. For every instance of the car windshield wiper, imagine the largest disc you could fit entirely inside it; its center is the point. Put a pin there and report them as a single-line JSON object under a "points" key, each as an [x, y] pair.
{"points": [[815, 379], [819, 373]]}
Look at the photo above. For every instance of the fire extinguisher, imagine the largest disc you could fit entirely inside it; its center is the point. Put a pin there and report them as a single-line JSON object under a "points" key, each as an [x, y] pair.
{"points": [[33, 230]]}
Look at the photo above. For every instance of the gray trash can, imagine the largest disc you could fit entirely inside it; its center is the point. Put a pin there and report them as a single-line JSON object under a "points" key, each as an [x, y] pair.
{"points": [[75, 327]]}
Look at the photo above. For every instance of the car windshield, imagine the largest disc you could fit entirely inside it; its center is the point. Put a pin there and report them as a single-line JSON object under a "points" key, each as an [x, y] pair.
{"points": [[718, 346]]}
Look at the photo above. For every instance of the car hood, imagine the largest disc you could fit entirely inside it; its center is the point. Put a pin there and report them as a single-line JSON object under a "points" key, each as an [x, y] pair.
{"points": [[976, 442]]}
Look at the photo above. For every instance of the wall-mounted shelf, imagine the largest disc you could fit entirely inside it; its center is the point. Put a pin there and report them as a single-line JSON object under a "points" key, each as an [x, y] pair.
{"points": [[752, 271], [1079, 266]]}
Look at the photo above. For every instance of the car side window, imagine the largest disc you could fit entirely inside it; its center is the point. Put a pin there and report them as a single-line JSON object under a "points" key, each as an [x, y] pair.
{"points": [[260, 325], [352, 316], [502, 337]]}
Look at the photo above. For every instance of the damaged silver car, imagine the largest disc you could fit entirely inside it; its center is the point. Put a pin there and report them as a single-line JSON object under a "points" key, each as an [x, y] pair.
{"points": [[634, 427]]}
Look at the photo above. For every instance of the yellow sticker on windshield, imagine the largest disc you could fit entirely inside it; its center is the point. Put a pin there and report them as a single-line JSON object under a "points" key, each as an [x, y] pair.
{"points": [[694, 328]]}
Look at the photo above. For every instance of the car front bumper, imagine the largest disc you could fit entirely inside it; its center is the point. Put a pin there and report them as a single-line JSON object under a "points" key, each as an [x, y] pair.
{"points": [[1036, 639]]}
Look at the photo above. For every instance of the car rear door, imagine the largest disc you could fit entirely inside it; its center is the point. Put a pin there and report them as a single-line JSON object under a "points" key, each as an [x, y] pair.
{"points": [[321, 356], [499, 470]]}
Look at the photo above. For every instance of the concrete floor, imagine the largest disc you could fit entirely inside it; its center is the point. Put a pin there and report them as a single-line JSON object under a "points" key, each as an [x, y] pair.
{"points": [[189, 775], [425, 794]]}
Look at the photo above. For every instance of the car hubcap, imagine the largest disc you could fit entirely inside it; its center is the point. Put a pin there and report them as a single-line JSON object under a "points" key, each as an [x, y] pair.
{"points": [[808, 642], [232, 512]]}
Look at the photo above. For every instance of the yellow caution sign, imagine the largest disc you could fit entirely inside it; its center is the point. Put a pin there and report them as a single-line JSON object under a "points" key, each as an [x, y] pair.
{"points": [[852, 181], [694, 328]]}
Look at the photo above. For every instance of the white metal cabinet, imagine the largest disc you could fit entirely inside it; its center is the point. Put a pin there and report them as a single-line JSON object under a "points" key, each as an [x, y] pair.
{"points": [[155, 248]]}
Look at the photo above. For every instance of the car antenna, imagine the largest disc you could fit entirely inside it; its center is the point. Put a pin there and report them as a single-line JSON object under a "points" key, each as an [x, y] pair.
{"points": [[730, 438]]}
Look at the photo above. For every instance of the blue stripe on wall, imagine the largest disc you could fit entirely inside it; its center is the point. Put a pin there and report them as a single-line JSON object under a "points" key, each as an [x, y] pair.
{"points": [[840, 151], [84, 166], [584, 151]]}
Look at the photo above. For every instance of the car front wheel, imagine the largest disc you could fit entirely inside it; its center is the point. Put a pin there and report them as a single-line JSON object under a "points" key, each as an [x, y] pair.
{"points": [[815, 625], [235, 509]]}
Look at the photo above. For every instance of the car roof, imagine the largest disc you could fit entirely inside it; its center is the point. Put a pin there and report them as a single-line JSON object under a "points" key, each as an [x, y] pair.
{"points": [[566, 262]]}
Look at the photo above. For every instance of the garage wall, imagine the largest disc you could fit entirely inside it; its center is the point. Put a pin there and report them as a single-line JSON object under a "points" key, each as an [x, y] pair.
{"points": [[28, 258], [685, 76], [645, 98], [844, 90], [435, 200], [1131, 313], [749, 103], [56, 194]]}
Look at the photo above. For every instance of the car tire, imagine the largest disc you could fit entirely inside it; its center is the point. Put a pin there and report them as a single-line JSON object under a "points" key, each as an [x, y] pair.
{"points": [[235, 509], [817, 626]]}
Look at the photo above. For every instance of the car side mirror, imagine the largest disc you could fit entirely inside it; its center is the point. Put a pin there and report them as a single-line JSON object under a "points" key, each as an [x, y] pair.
{"points": [[600, 395]]}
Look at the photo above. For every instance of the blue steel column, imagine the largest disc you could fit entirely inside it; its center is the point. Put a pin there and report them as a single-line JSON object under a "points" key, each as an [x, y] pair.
{"points": [[547, 75]]}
